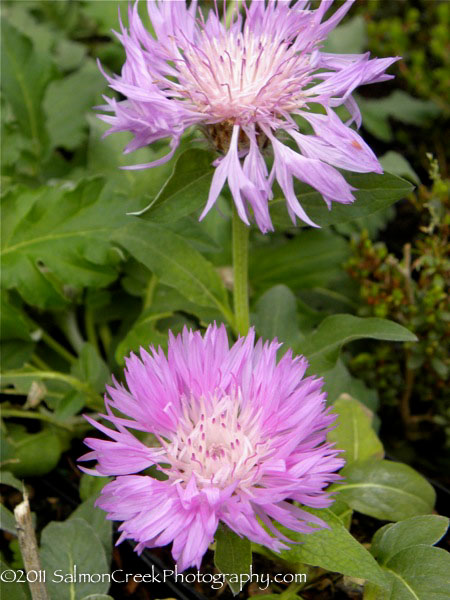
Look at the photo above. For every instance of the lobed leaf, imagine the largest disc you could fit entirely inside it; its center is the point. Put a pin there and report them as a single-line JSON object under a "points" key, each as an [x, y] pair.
{"points": [[54, 237]]}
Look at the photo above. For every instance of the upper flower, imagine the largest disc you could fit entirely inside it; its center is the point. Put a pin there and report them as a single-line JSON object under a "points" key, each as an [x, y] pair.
{"points": [[244, 84], [235, 434]]}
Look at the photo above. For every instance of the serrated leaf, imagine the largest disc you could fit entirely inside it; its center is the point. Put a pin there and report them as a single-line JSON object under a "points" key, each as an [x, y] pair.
{"points": [[392, 538], [322, 347], [373, 193], [353, 432], [233, 556], [64, 545], [186, 190], [334, 549], [276, 316], [25, 74], [386, 490], [54, 236], [175, 263]]}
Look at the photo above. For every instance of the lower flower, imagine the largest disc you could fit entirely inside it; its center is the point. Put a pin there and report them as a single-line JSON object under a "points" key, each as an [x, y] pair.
{"points": [[236, 436]]}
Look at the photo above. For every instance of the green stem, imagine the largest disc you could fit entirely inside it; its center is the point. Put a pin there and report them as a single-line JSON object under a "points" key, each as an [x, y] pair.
{"points": [[39, 362], [90, 329], [24, 414], [69, 325], [240, 273], [58, 348], [106, 337], [150, 292], [291, 590], [94, 400]]}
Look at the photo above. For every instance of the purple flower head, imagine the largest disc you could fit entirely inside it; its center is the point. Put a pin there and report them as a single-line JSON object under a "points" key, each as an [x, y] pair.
{"points": [[235, 433], [244, 85]]}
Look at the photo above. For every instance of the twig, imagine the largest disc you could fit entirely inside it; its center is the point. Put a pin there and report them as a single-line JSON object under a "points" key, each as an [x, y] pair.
{"points": [[28, 547]]}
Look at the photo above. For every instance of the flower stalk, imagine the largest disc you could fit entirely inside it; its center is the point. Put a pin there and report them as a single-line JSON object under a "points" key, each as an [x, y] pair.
{"points": [[240, 273]]}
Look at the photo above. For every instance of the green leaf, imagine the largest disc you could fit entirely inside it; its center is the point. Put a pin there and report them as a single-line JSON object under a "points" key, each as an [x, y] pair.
{"points": [[186, 190], [175, 263], [54, 236], [311, 259], [402, 107], [233, 556], [105, 157], [323, 346], [68, 100], [13, 322], [349, 38], [97, 520], [17, 335], [91, 368], [386, 490], [13, 590], [354, 433], [144, 330], [91, 486], [373, 193], [7, 478], [31, 454], [333, 549], [64, 545], [25, 74], [339, 381], [416, 573], [7, 520], [398, 165], [392, 538], [276, 316], [15, 353]]}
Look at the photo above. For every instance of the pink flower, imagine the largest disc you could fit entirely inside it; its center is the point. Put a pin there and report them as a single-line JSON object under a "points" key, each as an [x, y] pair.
{"points": [[244, 85], [235, 434]]}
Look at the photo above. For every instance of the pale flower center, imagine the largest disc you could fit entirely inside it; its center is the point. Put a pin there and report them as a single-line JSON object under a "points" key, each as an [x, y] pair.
{"points": [[218, 442], [243, 76]]}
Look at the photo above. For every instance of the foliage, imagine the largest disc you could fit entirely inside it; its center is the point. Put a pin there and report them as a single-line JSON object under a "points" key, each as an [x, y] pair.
{"points": [[411, 291]]}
